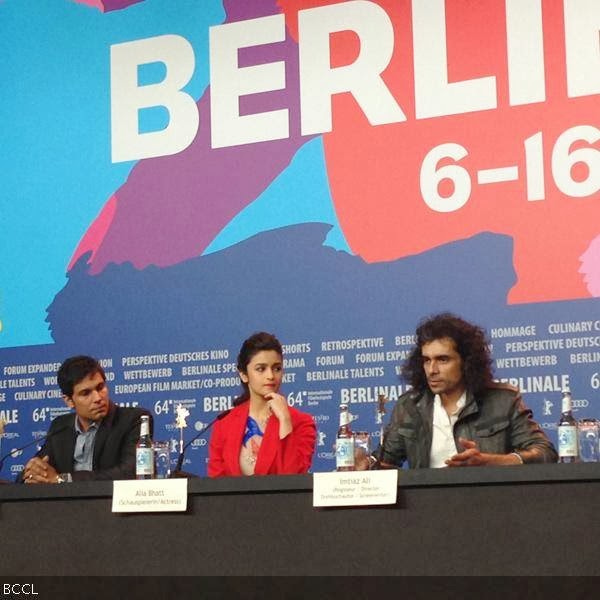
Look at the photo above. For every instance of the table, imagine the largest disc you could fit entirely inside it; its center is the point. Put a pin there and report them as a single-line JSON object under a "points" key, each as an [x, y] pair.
{"points": [[518, 520]]}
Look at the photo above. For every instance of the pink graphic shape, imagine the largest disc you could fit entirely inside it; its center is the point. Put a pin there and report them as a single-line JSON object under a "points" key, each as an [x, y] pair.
{"points": [[108, 5], [95, 234], [590, 267]]}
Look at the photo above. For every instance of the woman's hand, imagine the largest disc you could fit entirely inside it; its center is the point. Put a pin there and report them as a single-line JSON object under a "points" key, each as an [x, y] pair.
{"points": [[279, 407]]}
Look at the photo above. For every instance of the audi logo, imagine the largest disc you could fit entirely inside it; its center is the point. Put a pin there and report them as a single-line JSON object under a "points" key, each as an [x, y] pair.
{"points": [[580, 403]]}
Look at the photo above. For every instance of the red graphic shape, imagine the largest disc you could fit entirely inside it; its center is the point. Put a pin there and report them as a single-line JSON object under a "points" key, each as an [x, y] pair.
{"points": [[374, 171]]}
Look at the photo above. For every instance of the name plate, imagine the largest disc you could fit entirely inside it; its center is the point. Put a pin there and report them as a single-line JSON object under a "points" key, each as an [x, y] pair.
{"points": [[149, 495], [355, 488]]}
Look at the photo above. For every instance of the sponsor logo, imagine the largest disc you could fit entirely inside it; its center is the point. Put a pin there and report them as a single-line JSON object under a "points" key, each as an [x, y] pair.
{"points": [[580, 403], [551, 426], [321, 418], [327, 455]]}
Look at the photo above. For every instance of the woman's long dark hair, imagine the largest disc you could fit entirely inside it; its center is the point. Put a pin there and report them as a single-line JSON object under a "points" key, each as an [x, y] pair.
{"points": [[256, 343], [471, 344]]}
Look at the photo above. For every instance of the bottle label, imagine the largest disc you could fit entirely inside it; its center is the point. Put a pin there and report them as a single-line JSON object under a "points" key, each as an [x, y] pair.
{"points": [[144, 427], [567, 440], [344, 452], [144, 461], [344, 418], [566, 403]]}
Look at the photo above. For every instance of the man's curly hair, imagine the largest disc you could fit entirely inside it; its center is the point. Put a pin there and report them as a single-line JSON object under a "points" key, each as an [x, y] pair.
{"points": [[470, 341]]}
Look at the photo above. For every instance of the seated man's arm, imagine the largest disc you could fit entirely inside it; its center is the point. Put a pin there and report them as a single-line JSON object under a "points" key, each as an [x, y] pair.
{"points": [[40, 468], [392, 451], [117, 459], [527, 437], [528, 444]]}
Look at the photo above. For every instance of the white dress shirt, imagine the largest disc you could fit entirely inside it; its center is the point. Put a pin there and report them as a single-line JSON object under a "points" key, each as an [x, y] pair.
{"points": [[442, 442]]}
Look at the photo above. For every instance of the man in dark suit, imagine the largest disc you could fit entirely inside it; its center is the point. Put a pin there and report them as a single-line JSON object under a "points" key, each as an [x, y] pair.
{"points": [[97, 441]]}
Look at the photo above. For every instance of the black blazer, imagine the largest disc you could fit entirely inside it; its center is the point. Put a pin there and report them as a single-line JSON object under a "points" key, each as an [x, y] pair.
{"points": [[114, 445]]}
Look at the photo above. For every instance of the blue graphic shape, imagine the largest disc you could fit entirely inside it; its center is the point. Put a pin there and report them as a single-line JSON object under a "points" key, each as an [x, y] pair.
{"points": [[55, 142], [300, 194], [286, 281], [276, 280]]}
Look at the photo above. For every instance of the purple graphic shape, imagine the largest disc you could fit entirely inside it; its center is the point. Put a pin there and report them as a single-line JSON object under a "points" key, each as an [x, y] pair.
{"points": [[118, 4], [172, 207]]}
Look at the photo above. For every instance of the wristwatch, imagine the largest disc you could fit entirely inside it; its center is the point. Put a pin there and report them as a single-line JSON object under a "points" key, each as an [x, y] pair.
{"points": [[373, 462], [62, 478]]}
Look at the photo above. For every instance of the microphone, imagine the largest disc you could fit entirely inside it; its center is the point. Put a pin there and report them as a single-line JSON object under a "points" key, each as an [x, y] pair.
{"points": [[377, 454], [381, 446], [220, 416], [44, 438]]}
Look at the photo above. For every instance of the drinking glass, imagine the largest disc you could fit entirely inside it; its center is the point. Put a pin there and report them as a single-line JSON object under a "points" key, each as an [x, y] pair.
{"points": [[588, 440], [362, 440], [162, 459]]}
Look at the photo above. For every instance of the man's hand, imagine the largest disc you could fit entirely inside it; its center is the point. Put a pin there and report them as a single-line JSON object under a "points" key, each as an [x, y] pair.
{"points": [[361, 459], [472, 457], [469, 457], [39, 470]]}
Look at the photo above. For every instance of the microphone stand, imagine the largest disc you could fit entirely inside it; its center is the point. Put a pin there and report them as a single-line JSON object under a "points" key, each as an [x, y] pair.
{"points": [[38, 441], [381, 400], [177, 472]]}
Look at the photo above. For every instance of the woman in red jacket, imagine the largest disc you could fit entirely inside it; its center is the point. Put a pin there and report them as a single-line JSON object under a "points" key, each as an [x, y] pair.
{"points": [[262, 435]]}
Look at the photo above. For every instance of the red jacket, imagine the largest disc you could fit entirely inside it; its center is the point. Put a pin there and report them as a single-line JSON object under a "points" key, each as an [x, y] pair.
{"points": [[292, 454]]}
